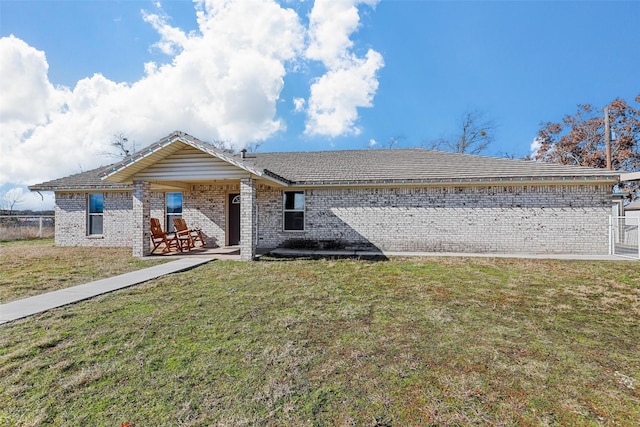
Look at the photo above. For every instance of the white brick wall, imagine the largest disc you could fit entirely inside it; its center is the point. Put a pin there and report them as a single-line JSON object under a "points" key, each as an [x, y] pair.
{"points": [[248, 221], [205, 207], [141, 217], [71, 220], [498, 219]]}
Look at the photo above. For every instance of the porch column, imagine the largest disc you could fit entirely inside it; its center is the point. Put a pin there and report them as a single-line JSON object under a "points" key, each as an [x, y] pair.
{"points": [[248, 219], [141, 218]]}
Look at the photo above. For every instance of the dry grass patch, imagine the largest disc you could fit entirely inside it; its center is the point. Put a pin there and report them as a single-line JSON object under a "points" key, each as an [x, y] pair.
{"points": [[33, 267], [26, 232], [305, 343]]}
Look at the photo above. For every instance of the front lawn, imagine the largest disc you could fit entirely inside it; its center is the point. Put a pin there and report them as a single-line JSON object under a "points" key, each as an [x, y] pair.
{"points": [[32, 267], [446, 341]]}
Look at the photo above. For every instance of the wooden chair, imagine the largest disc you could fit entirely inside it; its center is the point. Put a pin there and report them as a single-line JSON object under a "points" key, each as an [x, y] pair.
{"points": [[160, 238], [195, 234]]}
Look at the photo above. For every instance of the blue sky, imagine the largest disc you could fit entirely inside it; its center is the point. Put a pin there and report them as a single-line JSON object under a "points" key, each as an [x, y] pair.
{"points": [[343, 75]]}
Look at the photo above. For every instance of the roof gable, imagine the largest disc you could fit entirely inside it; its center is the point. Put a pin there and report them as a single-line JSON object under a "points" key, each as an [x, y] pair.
{"points": [[184, 164], [180, 157]]}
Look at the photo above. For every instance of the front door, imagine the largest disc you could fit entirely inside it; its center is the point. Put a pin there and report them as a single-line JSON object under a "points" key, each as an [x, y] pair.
{"points": [[234, 220]]}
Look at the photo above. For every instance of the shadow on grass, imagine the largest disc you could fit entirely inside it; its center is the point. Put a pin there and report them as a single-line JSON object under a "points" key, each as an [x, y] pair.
{"points": [[270, 257]]}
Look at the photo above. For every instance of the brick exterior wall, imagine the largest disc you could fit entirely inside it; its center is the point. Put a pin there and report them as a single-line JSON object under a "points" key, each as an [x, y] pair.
{"points": [[248, 220], [71, 220], [496, 219], [203, 207], [493, 219], [141, 218]]}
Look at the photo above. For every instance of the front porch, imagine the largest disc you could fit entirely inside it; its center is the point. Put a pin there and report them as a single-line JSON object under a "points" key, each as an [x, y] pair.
{"points": [[218, 190], [223, 210]]}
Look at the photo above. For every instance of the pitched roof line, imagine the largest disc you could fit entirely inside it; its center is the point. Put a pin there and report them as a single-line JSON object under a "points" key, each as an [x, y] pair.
{"points": [[195, 143]]}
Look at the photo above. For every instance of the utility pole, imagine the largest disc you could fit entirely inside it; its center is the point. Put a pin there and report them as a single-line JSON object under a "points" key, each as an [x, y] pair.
{"points": [[607, 135]]}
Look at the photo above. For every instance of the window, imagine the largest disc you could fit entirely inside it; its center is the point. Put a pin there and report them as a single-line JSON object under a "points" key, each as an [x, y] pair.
{"points": [[95, 214], [294, 210], [174, 209]]}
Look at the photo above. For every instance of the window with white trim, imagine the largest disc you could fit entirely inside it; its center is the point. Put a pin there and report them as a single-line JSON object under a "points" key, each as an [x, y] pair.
{"points": [[174, 209], [293, 211], [95, 214]]}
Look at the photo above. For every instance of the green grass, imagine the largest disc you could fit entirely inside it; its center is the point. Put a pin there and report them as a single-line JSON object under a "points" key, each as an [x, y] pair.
{"points": [[31, 267], [416, 342]]}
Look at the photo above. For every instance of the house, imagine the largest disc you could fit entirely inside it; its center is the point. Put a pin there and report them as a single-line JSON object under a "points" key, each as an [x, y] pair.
{"points": [[391, 200]]}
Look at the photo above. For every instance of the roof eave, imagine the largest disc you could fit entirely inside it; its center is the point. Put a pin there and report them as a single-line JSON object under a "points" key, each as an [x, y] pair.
{"points": [[607, 179], [64, 188]]}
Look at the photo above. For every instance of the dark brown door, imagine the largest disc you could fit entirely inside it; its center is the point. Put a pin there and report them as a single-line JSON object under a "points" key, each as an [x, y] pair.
{"points": [[234, 219]]}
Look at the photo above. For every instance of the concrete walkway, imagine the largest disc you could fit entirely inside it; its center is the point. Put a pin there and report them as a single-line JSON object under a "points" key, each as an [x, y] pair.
{"points": [[37, 304]]}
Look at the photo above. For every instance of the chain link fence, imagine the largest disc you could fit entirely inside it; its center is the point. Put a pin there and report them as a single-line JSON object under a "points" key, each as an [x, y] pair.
{"points": [[14, 227]]}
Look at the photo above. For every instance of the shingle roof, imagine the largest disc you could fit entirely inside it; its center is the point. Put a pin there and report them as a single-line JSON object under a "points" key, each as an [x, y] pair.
{"points": [[411, 165], [352, 167], [89, 180]]}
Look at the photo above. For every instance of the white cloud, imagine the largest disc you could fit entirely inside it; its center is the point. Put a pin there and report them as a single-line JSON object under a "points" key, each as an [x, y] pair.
{"points": [[336, 96], [535, 146], [221, 82], [298, 104], [350, 82], [27, 97], [172, 39], [372, 143]]}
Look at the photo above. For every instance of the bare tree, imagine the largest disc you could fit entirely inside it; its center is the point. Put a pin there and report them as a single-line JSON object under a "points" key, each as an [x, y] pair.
{"points": [[223, 145], [475, 134], [395, 140], [12, 198], [391, 143], [120, 146], [511, 156], [254, 147]]}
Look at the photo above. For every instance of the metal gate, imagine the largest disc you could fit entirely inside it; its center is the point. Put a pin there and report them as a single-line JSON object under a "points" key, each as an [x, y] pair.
{"points": [[624, 236]]}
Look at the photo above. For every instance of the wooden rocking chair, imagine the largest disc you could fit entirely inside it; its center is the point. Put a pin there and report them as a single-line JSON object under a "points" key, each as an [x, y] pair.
{"points": [[195, 234], [160, 238]]}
